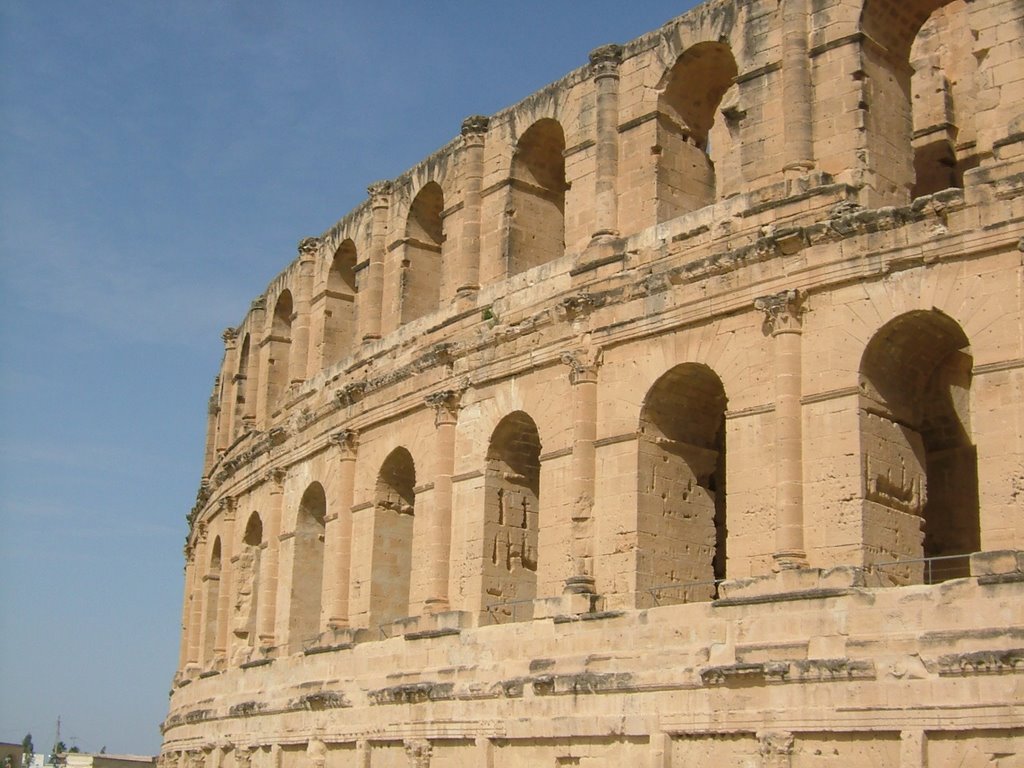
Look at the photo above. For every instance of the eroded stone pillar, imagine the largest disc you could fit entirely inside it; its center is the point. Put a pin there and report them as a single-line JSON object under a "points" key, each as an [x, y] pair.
{"points": [[338, 536], [474, 131], [212, 414], [186, 604], [195, 627], [913, 747], [583, 378], [776, 749], [269, 562], [446, 416], [796, 89], [372, 298], [484, 752], [226, 406], [783, 320], [604, 64], [298, 361], [227, 581]]}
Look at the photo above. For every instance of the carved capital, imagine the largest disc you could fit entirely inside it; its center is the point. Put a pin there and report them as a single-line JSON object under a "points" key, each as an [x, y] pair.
{"points": [[574, 306], [605, 60], [202, 531], [243, 757], [347, 441], [776, 748], [276, 479], [418, 751], [308, 247], [446, 405], [258, 305], [227, 507], [230, 336], [380, 193], [782, 311], [583, 365], [475, 126]]}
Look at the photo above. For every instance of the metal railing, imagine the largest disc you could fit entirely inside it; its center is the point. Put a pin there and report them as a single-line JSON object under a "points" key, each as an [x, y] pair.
{"points": [[683, 587], [923, 570], [509, 611]]}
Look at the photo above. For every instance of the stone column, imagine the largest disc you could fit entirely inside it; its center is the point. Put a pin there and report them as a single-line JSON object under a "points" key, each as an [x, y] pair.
{"points": [[798, 151], [298, 362], [583, 378], [195, 628], [212, 413], [338, 536], [783, 320], [474, 130], [227, 581], [913, 749], [776, 749], [362, 753], [370, 306], [446, 416], [225, 420], [604, 64], [267, 604], [186, 604], [484, 752]]}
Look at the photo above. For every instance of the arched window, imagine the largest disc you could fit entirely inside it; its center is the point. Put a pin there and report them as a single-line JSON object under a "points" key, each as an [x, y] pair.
{"points": [[340, 305], [424, 240], [280, 342], [244, 381], [681, 498], [920, 467], [211, 594], [695, 145], [536, 226], [247, 582], [511, 519], [307, 568], [391, 563]]}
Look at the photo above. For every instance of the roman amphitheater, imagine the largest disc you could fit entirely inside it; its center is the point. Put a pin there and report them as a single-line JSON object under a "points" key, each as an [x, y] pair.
{"points": [[669, 417]]}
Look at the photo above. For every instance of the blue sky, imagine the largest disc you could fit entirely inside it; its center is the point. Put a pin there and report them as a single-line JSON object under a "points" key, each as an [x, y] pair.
{"points": [[159, 162]]}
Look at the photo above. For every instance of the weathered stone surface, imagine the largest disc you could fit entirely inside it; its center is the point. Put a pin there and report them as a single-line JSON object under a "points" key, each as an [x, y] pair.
{"points": [[671, 416]]}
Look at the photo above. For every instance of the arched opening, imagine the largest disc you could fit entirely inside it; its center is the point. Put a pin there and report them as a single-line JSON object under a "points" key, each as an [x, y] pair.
{"points": [[424, 241], [212, 597], [307, 568], [247, 581], [536, 211], [391, 563], [280, 342], [919, 466], [340, 305], [919, 90], [511, 519], [243, 395], [692, 144], [681, 495]]}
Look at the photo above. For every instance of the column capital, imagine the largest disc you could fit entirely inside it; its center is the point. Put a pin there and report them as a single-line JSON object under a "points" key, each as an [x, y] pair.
{"points": [[227, 507], [347, 441], [776, 748], [583, 365], [230, 336], [380, 193], [782, 311], [276, 479], [475, 126], [605, 60], [258, 305], [418, 751], [308, 248], [446, 405], [350, 394]]}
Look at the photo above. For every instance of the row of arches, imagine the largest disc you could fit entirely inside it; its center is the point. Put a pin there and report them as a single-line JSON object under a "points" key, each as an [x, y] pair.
{"points": [[919, 495]]}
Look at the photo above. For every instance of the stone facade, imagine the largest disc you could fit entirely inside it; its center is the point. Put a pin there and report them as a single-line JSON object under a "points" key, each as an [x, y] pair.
{"points": [[671, 416]]}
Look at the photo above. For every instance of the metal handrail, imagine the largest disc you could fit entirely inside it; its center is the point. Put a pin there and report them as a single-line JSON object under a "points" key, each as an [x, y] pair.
{"points": [[653, 591], [932, 574]]}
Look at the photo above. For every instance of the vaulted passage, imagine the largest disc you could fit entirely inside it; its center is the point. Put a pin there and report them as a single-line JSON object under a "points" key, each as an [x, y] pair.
{"points": [[920, 466], [536, 224], [511, 519], [391, 564], [340, 305], [280, 342], [424, 240], [247, 583], [307, 568], [695, 145], [681, 514]]}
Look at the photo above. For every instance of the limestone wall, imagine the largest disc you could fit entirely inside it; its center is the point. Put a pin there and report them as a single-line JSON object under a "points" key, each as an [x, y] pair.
{"points": [[623, 372]]}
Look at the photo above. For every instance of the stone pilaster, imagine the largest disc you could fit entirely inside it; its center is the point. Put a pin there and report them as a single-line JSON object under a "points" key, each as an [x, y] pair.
{"points": [[257, 325], [372, 298], [604, 64], [186, 604], [195, 626], [446, 415], [226, 405], [474, 131], [796, 89], [338, 535], [913, 749], [418, 751], [298, 362], [583, 378], [783, 320], [269, 562]]}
